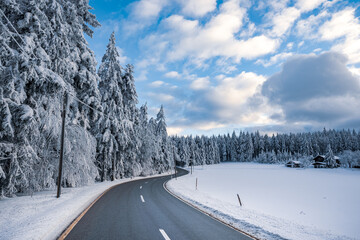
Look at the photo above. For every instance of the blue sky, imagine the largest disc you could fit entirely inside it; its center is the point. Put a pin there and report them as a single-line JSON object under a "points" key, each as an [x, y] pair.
{"points": [[219, 66]]}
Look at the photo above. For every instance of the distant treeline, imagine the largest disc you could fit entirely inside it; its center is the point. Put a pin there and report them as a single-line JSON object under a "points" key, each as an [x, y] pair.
{"points": [[279, 148]]}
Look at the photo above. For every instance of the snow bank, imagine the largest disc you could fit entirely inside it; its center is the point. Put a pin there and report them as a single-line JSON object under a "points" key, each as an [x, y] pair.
{"points": [[278, 202], [43, 216]]}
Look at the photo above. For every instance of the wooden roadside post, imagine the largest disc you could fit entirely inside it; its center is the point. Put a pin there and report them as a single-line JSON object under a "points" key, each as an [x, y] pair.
{"points": [[196, 184], [63, 114], [239, 200]]}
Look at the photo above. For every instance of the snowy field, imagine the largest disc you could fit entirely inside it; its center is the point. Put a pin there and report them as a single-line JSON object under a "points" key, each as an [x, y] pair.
{"points": [[278, 202], [43, 216]]}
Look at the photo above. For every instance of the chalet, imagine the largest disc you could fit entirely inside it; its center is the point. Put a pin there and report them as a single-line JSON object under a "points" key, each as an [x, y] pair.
{"points": [[319, 161], [294, 164]]}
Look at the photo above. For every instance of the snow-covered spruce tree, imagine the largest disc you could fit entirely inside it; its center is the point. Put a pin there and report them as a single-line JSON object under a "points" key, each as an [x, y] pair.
{"points": [[183, 152], [131, 144], [166, 158], [110, 127], [18, 126], [52, 56], [330, 158], [147, 143]]}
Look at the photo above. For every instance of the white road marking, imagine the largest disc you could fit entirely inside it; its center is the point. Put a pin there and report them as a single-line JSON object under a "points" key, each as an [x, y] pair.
{"points": [[163, 233], [140, 187], [142, 198], [146, 182]]}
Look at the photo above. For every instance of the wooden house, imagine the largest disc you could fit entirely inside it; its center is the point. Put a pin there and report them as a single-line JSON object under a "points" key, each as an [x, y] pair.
{"points": [[294, 164], [319, 161]]}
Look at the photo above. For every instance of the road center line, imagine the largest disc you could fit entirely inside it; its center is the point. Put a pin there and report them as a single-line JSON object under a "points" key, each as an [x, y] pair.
{"points": [[140, 187], [142, 198], [163, 233]]}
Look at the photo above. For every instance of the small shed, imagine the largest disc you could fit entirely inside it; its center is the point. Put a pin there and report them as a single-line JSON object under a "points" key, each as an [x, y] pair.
{"points": [[294, 164]]}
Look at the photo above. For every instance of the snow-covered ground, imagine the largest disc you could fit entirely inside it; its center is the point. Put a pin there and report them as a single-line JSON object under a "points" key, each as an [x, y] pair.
{"points": [[43, 216], [278, 202]]}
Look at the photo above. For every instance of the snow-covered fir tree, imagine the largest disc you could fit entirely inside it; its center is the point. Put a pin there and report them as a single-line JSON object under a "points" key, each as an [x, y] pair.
{"points": [[330, 158], [110, 126]]}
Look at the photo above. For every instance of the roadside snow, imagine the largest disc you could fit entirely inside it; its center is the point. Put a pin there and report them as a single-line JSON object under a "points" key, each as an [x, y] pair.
{"points": [[278, 202], [43, 216]]}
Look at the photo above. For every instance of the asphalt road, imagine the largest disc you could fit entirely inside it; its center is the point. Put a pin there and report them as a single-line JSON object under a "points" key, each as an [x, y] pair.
{"points": [[143, 209]]}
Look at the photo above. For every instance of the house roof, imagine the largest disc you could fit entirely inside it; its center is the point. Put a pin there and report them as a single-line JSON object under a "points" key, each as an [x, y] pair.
{"points": [[323, 156], [293, 161]]}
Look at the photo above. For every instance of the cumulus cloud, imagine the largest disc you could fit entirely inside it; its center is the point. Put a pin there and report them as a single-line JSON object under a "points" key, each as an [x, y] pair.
{"points": [[231, 100], [197, 8], [284, 15], [172, 74], [200, 83], [156, 84], [308, 5], [143, 13], [344, 24], [308, 27], [148, 9], [216, 38], [283, 21], [318, 89]]}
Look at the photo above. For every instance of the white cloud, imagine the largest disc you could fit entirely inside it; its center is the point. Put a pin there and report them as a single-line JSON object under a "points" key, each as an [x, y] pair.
{"points": [[308, 5], [284, 17], [234, 91], [200, 83], [290, 45], [197, 8], [217, 37], [143, 14], [283, 22], [233, 100], [172, 74], [308, 27], [147, 9], [277, 5], [275, 59], [345, 25], [157, 84]]}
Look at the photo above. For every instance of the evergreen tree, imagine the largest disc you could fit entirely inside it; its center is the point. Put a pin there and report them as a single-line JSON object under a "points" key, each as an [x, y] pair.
{"points": [[330, 158], [110, 128]]}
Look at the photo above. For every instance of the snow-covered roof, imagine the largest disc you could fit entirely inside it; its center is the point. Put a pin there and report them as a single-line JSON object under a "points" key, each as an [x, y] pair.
{"points": [[323, 156], [293, 162]]}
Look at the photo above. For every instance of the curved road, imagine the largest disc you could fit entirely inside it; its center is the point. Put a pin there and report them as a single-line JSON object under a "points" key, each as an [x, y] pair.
{"points": [[143, 209]]}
